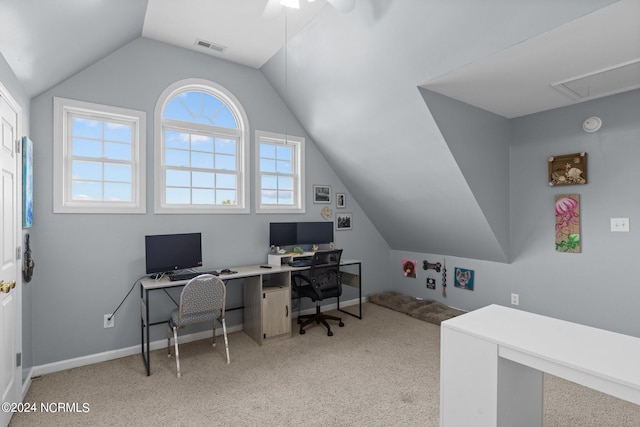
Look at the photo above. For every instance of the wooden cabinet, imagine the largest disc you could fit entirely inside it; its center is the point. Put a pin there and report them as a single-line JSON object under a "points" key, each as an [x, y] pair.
{"points": [[267, 307], [276, 312]]}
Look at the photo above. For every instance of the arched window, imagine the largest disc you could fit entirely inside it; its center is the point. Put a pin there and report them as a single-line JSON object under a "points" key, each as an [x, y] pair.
{"points": [[201, 150]]}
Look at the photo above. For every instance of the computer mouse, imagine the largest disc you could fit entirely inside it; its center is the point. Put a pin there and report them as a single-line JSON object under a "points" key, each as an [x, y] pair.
{"points": [[225, 271]]}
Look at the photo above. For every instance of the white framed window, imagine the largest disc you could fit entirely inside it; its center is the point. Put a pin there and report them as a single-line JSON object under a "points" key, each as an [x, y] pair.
{"points": [[99, 158], [201, 150], [279, 173]]}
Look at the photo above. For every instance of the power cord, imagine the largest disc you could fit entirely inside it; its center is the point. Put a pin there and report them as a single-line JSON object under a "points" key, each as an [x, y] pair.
{"points": [[125, 297]]}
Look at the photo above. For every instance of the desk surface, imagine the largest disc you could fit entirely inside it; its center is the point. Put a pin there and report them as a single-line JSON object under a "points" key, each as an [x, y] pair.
{"points": [[595, 352], [240, 273]]}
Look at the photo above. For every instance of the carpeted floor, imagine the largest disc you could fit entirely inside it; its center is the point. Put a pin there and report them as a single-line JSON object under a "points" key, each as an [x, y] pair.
{"points": [[382, 370]]}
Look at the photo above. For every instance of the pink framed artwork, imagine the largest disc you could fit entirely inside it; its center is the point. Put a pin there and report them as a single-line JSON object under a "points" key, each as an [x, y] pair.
{"points": [[568, 223]]}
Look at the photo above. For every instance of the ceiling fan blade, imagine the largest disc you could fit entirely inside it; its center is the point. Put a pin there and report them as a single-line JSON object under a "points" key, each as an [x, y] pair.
{"points": [[343, 5], [272, 9]]}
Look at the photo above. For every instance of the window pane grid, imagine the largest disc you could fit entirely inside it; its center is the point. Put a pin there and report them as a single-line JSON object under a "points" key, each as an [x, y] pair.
{"points": [[277, 174], [186, 186], [277, 189], [202, 160], [200, 107], [101, 159]]}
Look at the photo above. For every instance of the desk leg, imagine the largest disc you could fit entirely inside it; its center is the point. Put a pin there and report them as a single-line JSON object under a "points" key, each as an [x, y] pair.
{"points": [[520, 395], [359, 315], [144, 327], [479, 388]]}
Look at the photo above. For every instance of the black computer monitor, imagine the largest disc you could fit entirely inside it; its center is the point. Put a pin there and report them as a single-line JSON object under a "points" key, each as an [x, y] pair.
{"points": [[283, 233], [310, 233], [168, 252]]}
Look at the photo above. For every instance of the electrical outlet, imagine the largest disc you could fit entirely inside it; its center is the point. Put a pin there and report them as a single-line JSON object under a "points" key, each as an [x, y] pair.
{"points": [[515, 299], [108, 323]]}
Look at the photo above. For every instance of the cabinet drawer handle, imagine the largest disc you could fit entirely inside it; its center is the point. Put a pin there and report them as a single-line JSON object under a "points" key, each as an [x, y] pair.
{"points": [[286, 307]]}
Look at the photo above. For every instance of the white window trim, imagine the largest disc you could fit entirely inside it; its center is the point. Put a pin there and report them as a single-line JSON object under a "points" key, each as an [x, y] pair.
{"points": [[62, 202], [160, 207], [300, 207]]}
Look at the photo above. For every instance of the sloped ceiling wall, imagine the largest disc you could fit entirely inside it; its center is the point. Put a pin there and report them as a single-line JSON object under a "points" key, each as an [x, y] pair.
{"points": [[64, 37], [352, 81]]}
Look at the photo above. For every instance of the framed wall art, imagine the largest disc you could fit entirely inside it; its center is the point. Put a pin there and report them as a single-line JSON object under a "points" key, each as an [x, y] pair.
{"points": [[321, 194], [344, 221], [409, 268], [463, 278], [27, 182], [568, 169], [568, 223], [341, 200]]}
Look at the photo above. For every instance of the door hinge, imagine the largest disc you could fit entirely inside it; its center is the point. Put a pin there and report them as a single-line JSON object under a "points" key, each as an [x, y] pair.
{"points": [[19, 252], [18, 146], [18, 360]]}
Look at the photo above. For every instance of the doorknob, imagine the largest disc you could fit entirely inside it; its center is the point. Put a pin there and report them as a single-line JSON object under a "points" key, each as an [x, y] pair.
{"points": [[5, 288]]}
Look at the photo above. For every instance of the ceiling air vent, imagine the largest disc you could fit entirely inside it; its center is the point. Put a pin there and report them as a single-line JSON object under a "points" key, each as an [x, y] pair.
{"points": [[617, 79], [210, 45]]}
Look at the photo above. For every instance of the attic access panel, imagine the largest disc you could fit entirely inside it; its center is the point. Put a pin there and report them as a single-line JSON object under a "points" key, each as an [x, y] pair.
{"points": [[620, 78]]}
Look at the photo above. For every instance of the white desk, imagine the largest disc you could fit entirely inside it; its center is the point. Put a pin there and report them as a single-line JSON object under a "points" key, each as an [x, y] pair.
{"points": [[266, 296], [492, 361]]}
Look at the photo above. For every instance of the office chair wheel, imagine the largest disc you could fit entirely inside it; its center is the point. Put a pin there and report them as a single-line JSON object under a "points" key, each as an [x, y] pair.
{"points": [[341, 324], [329, 333], [302, 331]]}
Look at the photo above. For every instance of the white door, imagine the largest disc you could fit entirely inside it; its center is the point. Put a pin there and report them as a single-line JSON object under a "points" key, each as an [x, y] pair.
{"points": [[10, 286]]}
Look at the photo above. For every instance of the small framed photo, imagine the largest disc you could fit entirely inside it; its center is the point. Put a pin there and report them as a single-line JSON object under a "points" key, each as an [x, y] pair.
{"points": [[463, 278], [341, 200], [344, 221], [321, 194]]}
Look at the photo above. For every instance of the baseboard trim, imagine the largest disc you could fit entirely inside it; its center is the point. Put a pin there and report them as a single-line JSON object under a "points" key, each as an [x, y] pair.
{"points": [[26, 383], [91, 359]]}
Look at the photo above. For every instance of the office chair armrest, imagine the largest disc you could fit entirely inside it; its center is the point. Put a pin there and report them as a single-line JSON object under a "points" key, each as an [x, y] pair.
{"points": [[301, 277], [309, 285]]}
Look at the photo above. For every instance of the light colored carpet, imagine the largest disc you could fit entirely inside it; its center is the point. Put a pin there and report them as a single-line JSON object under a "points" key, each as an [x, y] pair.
{"points": [[379, 371]]}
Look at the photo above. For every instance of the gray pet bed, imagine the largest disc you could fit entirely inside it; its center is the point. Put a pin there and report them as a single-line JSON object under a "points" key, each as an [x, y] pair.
{"points": [[427, 310]]}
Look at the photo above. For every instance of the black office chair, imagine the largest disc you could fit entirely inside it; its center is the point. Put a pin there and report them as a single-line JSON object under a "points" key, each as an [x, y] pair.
{"points": [[321, 281]]}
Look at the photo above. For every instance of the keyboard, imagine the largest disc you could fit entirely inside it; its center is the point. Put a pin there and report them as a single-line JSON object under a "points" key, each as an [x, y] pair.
{"points": [[300, 263], [189, 275]]}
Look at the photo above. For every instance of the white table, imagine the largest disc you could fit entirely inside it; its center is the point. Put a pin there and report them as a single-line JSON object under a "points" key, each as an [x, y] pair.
{"points": [[493, 359]]}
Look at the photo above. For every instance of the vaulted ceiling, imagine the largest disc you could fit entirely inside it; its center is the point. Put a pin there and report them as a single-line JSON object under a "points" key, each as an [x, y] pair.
{"points": [[372, 87]]}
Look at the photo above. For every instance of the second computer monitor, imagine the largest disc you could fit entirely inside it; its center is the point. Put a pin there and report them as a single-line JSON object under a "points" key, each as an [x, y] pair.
{"points": [[310, 233], [300, 233]]}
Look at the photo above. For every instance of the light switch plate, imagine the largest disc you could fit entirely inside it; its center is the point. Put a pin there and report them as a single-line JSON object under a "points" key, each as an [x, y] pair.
{"points": [[620, 224]]}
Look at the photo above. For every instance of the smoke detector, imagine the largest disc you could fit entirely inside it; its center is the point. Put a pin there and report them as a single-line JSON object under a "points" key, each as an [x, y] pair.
{"points": [[592, 124]]}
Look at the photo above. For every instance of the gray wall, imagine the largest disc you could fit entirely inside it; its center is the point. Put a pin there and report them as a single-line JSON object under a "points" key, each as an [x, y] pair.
{"points": [[87, 263], [10, 82], [367, 65], [596, 287]]}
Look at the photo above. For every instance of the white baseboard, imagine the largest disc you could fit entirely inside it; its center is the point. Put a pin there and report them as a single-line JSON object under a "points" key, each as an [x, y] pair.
{"points": [[26, 384], [91, 359]]}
